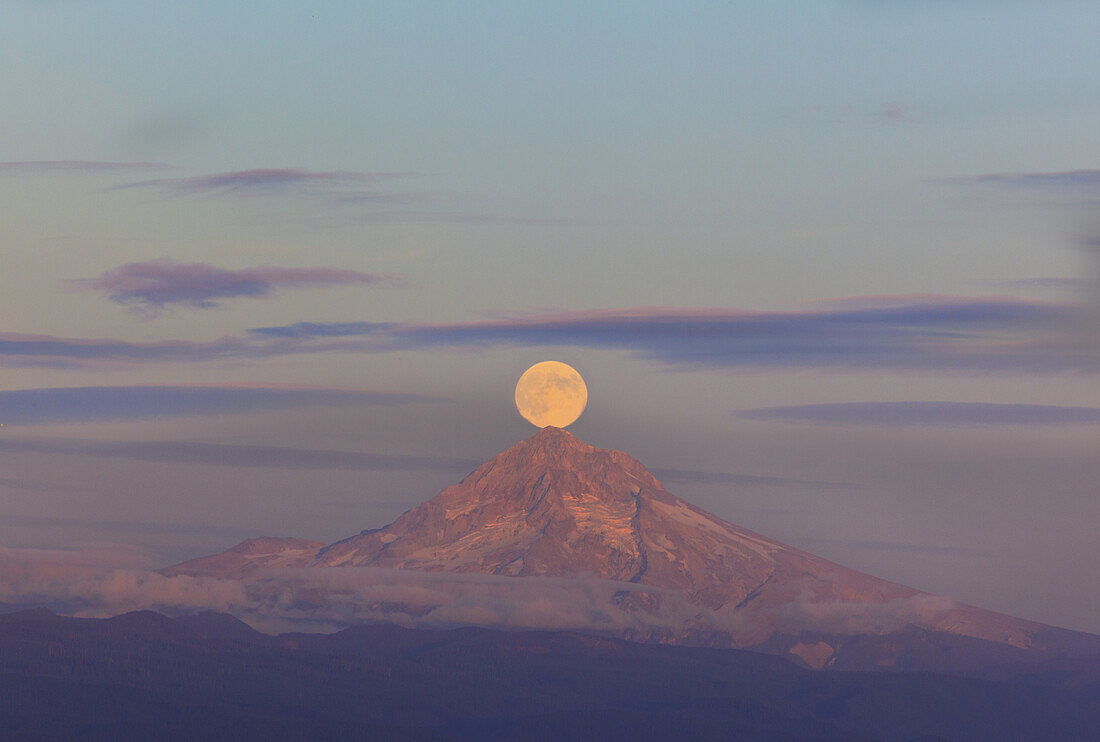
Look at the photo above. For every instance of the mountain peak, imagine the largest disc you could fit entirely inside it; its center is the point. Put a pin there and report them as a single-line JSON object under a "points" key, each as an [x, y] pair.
{"points": [[551, 433], [555, 506], [551, 505], [556, 440], [552, 452]]}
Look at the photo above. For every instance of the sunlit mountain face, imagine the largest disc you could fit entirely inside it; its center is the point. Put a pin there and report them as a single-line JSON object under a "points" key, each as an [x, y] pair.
{"points": [[635, 560]]}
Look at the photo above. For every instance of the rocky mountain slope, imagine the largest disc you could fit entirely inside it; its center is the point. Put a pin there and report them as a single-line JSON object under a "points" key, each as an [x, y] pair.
{"points": [[554, 506]]}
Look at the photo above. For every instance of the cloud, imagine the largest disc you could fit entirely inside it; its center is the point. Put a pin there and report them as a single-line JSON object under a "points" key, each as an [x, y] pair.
{"points": [[896, 547], [122, 528], [305, 330], [88, 583], [918, 332], [1044, 283], [1080, 180], [74, 167], [221, 454], [349, 595], [929, 414], [51, 351], [93, 404], [839, 617], [224, 454], [110, 556], [108, 581], [21, 350], [103, 580], [156, 284], [342, 184], [734, 478], [894, 112], [361, 197], [930, 332], [23, 484]]}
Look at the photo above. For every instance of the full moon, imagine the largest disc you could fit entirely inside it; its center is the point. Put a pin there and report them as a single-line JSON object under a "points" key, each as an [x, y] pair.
{"points": [[551, 393]]}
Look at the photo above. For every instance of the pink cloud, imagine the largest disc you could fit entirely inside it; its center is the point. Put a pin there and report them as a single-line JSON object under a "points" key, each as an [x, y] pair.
{"points": [[957, 333], [273, 181], [155, 284], [894, 112]]}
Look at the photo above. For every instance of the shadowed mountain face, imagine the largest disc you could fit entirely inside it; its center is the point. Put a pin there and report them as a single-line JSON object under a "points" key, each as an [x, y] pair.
{"points": [[144, 676], [553, 506]]}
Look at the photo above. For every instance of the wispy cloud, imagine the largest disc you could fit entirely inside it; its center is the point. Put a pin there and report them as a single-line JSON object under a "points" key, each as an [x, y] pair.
{"points": [[225, 454], [341, 184], [893, 546], [156, 284], [1043, 283], [929, 413], [128, 529], [1087, 180], [219, 454], [935, 332], [74, 167], [84, 404], [735, 478], [894, 112], [60, 352], [358, 197], [879, 332], [24, 484], [46, 351], [305, 330]]}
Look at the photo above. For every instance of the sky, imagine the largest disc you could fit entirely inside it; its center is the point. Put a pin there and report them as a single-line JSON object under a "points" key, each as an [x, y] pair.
{"points": [[831, 269]]}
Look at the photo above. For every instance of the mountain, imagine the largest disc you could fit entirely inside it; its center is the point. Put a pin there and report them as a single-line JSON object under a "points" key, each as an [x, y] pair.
{"points": [[251, 556], [553, 506], [144, 676]]}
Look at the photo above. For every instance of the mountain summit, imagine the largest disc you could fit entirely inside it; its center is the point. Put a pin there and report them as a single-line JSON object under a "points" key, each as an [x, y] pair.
{"points": [[554, 506]]}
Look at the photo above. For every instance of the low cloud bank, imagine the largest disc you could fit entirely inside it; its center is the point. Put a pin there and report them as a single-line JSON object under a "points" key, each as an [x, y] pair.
{"points": [[109, 581], [87, 583], [848, 619]]}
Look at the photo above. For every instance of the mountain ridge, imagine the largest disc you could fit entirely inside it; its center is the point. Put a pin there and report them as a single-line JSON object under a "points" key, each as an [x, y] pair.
{"points": [[554, 506], [144, 676]]}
